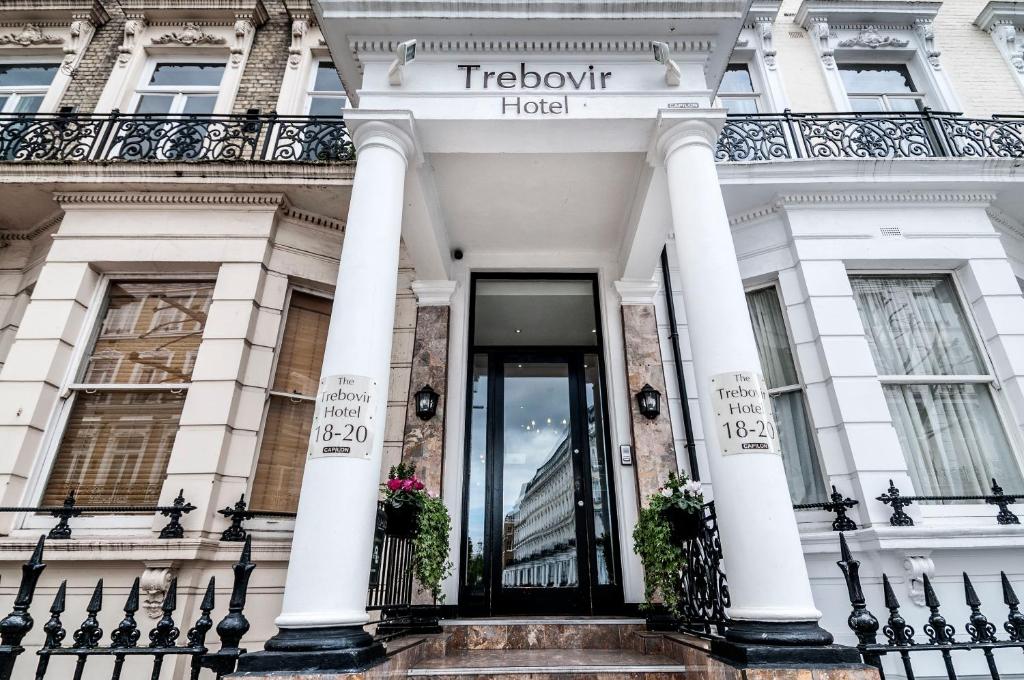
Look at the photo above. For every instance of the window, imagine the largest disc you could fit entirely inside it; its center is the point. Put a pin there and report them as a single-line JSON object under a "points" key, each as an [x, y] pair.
{"points": [[737, 92], [128, 398], [292, 398], [880, 87], [23, 86], [326, 96], [179, 88], [937, 386], [799, 452]]}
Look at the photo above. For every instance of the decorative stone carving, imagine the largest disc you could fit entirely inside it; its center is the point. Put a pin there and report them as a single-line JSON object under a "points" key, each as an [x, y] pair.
{"points": [[917, 566], [191, 34], [30, 35], [243, 28], [871, 38], [764, 27], [154, 582], [1007, 34], [299, 29], [133, 27], [926, 33], [823, 34]]}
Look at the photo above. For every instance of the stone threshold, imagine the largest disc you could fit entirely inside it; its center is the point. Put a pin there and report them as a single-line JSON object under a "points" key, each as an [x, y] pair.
{"points": [[544, 620]]}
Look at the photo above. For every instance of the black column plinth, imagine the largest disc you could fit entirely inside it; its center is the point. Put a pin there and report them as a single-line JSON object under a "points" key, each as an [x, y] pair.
{"points": [[788, 642], [337, 649]]}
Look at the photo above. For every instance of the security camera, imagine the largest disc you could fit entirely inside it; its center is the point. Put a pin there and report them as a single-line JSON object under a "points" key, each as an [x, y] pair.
{"points": [[404, 54], [663, 55]]}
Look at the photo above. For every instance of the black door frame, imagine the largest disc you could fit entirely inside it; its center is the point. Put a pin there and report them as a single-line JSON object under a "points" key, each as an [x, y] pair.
{"points": [[592, 598]]}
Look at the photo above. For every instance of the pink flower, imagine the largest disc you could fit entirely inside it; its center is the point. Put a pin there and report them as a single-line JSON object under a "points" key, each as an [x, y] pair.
{"points": [[407, 485], [417, 484], [394, 484]]}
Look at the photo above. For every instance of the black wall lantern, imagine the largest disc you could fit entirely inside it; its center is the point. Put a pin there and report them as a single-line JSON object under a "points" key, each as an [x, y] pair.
{"points": [[426, 402], [649, 401]]}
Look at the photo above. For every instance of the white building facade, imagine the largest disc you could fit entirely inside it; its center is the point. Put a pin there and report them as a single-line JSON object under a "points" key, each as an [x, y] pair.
{"points": [[218, 214]]}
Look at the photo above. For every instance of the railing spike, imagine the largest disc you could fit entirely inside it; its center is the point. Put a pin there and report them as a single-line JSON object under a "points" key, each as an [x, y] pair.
{"points": [[1015, 619], [938, 630], [89, 633], [861, 621], [165, 632], [127, 632], [979, 627], [53, 628], [16, 625], [896, 628], [197, 634]]}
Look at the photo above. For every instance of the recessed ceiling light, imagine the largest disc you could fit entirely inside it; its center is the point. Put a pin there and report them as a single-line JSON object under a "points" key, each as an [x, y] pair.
{"points": [[519, 330]]}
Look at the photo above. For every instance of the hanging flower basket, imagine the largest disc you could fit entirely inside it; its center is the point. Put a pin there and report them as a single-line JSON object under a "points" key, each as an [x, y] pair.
{"points": [[401, 519], [683, 524]]}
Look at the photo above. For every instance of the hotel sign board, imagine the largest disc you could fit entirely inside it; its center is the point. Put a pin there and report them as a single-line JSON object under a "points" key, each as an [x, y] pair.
{"points": [[343, 424], [743, 413], [555, 83]]}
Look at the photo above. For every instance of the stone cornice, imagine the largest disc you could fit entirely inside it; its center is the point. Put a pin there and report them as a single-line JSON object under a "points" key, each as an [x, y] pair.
{"points": [[1000, 12], [637, 291], [313, 219], [885, 198], [860, 13], [761, 11], [549, 9], [509, 45], [433, 293], [46, 225], [199, 12], [1002, 219], [100, 198], [758, 214], [52, 12]]}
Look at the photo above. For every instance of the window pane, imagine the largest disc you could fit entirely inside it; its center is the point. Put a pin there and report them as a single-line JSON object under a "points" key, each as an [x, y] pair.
{"points": [[154, 103], [326, 106], [115, 448], [31, 75], [952, 439], [201, 75], [28, 103], [476, 494], [286, 434], [772, 341], [915, 326], [799, 454], [866, 104], [905, 104], [150, 333], [199, 104], [604, 546], [3, 103], [736, 79], [282, 455], [327, 78], [883, 78], [736, 105]]}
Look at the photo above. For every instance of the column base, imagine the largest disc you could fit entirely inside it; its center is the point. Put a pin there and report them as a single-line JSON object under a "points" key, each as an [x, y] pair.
{"points": [[764, 642], [336, 649]]}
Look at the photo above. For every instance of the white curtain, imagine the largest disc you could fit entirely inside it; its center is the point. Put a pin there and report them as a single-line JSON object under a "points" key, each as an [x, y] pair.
{"points": [[950, 433], [799, 455]]}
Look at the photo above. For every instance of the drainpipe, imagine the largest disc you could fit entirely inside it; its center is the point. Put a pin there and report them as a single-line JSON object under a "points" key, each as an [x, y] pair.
{"points": [[677, 354]]}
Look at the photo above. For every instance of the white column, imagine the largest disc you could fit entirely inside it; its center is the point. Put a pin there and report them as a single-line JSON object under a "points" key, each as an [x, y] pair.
{"points": [[328, 574], [764, 561]]}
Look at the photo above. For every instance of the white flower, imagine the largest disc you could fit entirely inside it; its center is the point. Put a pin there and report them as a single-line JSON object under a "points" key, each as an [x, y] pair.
{"points": [[666, 492], [692, 488]]}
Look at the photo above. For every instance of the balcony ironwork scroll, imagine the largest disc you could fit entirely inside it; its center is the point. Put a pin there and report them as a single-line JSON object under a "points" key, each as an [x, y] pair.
{"points": [[113, 137], [704, 589], [999, 498], [925, 134]]}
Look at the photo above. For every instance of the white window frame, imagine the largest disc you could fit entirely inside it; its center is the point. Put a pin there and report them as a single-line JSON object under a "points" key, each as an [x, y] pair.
{"points": [[800, 386], [757, 96], [918, 95], [755, 49], [15, 93], [270, 526], [70, 387], [1002, 408], [311, 85], [181, 93]]}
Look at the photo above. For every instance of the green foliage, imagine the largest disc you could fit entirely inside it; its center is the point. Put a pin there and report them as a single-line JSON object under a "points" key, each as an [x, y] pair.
{"points": [[430, 561], [664, 560]]}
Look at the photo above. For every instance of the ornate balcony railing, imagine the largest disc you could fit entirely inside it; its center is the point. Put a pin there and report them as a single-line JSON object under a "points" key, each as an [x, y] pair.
{"points": [[928, 134], [68, 137]]}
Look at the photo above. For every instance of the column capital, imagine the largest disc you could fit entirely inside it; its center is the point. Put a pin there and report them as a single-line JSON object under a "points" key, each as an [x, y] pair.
{"points": [[391, 130], [434, 293], [637, 291], [676, 129]]}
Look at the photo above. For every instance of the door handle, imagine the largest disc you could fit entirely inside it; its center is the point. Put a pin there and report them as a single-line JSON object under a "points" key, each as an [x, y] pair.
{"points": [[579, 503]]}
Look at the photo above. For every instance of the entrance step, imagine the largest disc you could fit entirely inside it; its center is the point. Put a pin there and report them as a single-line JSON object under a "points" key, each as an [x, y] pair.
{"points": [[550, 633], [577, 664]]}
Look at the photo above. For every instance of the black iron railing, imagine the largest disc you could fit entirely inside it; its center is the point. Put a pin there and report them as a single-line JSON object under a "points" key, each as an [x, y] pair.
{"points": [[903, 640], [897, 501], [239, 513], [67, 137], [838, 504], [928, 134], [704, 595], [86, 642], [69, 509]]}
